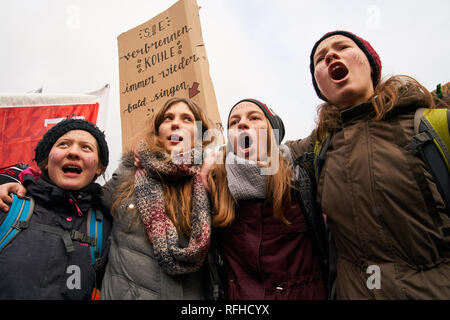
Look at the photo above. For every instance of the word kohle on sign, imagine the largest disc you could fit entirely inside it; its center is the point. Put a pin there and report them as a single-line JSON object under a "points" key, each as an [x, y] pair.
{"points": [[160, 59]]}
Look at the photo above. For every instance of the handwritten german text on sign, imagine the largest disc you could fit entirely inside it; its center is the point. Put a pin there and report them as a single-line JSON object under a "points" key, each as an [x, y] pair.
{"points": [[160, 59]]}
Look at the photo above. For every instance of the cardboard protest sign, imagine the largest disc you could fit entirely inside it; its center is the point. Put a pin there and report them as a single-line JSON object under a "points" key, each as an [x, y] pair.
{"points": [[160, 59], [24, 119]]}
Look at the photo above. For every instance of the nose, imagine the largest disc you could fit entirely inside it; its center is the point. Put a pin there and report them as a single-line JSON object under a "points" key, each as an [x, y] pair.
{"points": [[243, 125], [175, 124], [331, 55], [74, 152]]}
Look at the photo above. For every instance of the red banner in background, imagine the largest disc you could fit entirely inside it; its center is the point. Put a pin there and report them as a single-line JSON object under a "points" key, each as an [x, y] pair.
{"points": [[23, 127]]}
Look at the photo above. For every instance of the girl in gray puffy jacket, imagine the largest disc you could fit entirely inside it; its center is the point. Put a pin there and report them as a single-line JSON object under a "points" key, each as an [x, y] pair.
{"points": [[162, 214]]}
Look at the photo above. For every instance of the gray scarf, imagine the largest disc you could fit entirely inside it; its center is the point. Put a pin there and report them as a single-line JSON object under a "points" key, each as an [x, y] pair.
{"points": [[245, 180]]}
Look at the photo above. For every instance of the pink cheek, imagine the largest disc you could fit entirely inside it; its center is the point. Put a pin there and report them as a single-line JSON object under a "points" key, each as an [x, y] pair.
{"points": [[91, 162], [54, 158], [319, 73], [359, 59]]}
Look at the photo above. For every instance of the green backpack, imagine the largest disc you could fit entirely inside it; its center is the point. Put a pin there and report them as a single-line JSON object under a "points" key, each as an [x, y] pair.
{"points": [[431, 140]]}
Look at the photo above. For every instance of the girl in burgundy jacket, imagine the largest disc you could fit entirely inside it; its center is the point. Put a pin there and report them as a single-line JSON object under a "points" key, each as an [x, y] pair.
{"points": [[269, 233]]}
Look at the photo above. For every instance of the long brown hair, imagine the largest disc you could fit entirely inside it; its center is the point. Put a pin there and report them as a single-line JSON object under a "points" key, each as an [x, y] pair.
{"points": [[386, 96], [177, 195], [278, 187]]}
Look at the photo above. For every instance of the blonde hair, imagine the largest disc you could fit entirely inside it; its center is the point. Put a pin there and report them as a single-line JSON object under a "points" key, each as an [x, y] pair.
{"points": [[278, 187], [177, 195]]}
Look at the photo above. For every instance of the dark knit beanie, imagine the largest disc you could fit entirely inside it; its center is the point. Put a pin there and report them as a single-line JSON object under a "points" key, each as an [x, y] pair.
{"points": [[274, 120], [44, 146], [372, 55]]}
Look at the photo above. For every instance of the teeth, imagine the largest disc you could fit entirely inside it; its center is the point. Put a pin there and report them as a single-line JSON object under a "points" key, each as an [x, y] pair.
{"points": [[176, 138]]}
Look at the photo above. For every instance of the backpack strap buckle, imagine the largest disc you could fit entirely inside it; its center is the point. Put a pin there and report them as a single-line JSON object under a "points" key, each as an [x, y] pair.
{"points": [[19, 224], [417, 141], [82, 237]]}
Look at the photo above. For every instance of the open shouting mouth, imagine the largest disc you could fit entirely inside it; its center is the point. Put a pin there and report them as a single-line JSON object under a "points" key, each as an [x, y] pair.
{"points": [[337, 71], [245, 143], [175, 138], [72, 169]]}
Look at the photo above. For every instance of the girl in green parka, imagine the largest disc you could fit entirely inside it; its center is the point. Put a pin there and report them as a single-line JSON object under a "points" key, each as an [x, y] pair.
{"points": [[385, 213]]}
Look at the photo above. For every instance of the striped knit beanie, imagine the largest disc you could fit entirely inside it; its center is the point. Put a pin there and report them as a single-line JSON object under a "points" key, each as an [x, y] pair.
{"points": [[274, 120]]}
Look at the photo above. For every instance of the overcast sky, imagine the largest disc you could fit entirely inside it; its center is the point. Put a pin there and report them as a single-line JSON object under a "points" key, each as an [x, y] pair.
{"points": [[255, 48]]}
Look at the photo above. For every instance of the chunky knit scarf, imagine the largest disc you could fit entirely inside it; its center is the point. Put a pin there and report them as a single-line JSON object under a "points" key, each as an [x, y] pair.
{"points": [[173, 258]]}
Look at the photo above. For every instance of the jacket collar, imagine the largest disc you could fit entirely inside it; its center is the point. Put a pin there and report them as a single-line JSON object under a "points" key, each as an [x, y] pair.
{"points": [[406, 104], [45, 191]]}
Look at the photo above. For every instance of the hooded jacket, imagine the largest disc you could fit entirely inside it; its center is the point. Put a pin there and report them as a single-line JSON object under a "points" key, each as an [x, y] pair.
{"points": [[385, 213], [35, 264]]}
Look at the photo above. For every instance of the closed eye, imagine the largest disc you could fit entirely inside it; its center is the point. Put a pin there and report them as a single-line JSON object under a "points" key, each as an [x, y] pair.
{"points": [[319, 59]]}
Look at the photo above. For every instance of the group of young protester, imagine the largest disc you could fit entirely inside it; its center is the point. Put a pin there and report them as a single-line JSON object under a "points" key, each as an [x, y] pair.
{"points": [[230, 227]]}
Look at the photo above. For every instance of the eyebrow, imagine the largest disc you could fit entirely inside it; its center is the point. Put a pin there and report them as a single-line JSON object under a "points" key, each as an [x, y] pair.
{"points": [[259, 112], [182, 114], [79, 141], [337, 43]]}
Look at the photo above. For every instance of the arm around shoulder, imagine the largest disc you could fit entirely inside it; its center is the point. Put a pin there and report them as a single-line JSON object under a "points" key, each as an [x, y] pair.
{"points": [[300, 146], [125, 170]]}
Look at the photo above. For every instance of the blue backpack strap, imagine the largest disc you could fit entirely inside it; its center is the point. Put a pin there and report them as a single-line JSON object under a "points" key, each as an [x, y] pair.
{"points": [[19, 214], [95, 230]]}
